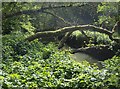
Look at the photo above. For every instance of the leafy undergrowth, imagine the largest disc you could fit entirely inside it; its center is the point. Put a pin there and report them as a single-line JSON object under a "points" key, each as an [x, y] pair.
{"points": [[35, 65]]}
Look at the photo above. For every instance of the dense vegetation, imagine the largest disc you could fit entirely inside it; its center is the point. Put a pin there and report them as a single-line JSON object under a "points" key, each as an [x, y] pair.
{"points": [[40, 64], [37, 65]]}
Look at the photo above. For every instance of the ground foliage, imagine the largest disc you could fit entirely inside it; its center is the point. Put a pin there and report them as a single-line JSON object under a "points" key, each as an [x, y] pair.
{"points": [[34, 64]]}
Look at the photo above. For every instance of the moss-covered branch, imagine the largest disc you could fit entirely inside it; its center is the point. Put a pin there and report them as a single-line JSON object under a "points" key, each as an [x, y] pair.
{"points": [[69, 29]]}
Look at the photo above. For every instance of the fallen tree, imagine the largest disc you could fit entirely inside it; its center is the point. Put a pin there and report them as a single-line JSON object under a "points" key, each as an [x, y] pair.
{"points": [[68, 31], [71, 29]]}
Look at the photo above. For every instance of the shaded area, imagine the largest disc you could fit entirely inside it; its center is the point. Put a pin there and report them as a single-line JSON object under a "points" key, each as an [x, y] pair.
{"points": [[80, 57]]}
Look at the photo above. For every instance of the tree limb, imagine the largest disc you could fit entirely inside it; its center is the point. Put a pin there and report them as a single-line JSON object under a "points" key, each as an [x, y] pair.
{"points": [[66, 22], [98, 52], [28, 12], [115, 27], [61, 43], [69, 29]]}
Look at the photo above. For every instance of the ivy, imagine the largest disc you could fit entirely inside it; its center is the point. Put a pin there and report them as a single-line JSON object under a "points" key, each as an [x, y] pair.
{"points": [[46, 67]]}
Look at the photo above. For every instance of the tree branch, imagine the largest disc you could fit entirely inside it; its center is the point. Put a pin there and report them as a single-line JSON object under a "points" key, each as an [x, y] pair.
{"points": [[28, 12], [69, 29], [98, 52], [66, 22], [61, 43], [115, 27]]}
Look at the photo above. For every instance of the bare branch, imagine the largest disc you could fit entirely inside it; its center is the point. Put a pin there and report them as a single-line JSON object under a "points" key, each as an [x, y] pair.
{"points": [[28, 12], [117, 24], [66, 22]]}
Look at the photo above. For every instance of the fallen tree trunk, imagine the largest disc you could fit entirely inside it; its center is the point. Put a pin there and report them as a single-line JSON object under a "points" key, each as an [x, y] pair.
{"points": [[98, 52], [69, 29]]}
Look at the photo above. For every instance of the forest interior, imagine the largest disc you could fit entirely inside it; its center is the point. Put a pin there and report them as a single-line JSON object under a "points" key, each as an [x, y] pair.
{"points": [[60, 45]]}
